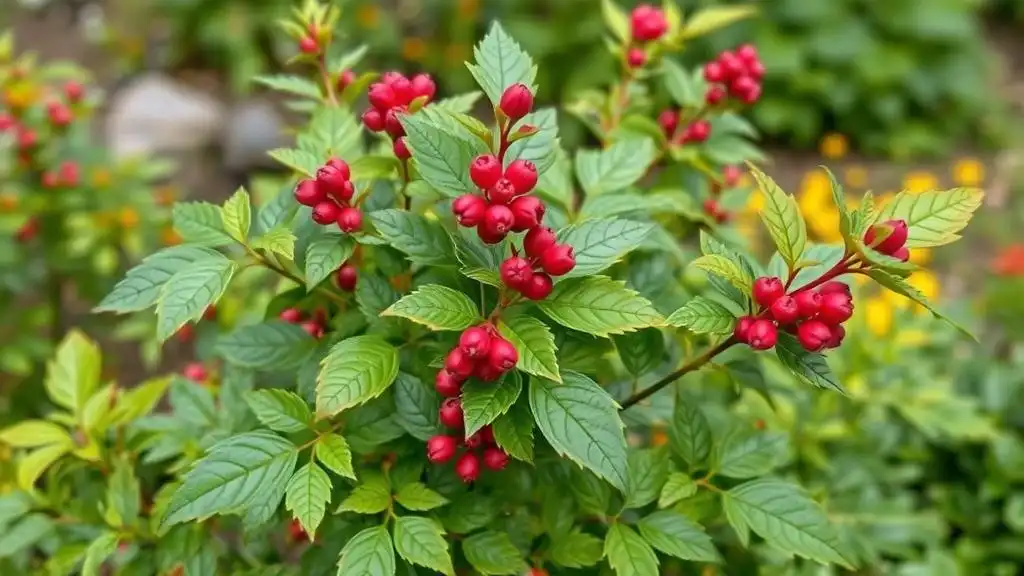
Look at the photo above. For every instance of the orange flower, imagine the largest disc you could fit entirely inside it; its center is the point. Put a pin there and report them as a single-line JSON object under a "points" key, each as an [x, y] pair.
{"points": [[1009, 262], [834, 146], [128, 217], [368, 16], [414, 49]]}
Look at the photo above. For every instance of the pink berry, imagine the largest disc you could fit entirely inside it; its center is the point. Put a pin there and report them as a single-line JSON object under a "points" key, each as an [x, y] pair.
{"points": [[647, 23], [308, 193], [558, 260], [495, 458], [450, 413], [836, 308], [447, 384], [373, 120], [813, 335], [381, 97], [291, 315], [469, 209], [325, 212], [350, 219], [539, 287], [441, 449], [401, 150], [742, 330], [523, 175], [538, 240], [498, 220], [475, 341], [636, 58], [423, 85], [516, 101], [459, 363], [807, 303], [502, 192], [503, 355], [347, 276], [468, 467], [485, 171], [528, 211], [762, 334], [785, 310], [516, 272], [767, 290]]}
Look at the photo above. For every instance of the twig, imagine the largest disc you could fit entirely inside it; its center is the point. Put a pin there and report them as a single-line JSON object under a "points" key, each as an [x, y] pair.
{"points": [[690, 366]]}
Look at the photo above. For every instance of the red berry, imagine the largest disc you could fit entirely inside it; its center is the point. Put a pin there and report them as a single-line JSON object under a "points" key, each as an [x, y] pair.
{"points": [[669, 121], [474, 441], [27, 138], [325, 212], [813, 335], [698, 131], [487, 236], [291, 315], [486, 435], [838, 333], [73, 91], [742, 85], [381, 97], [345, 194], [711, 207], [752, 95], [742, 330], [715, 95], [502, 192], [762, 334], [60, 115], [558, 260], [539, 287], [713, 72], [485, 171], [833, 286], [309, 45], [347, 276], [195, 372], [373, 120], [350, 219], [332, 177], [516, 101], [516, 272], [732, 66], [450, 413], [537, 572], [469, 209], [731, 176], [441, 448], [785, 310], [295, 530], [6, 122], [636, 58], [756, 70], [767, 289], [747, 53], [459, 363], [836, 308], [402, 88], [345, 78], [313, 328], [476, 341], [528, 211], [468, 467], [308, 193], [446, 384], [401, 150], [522, 174], [807, 303], [495, 458], [423, 85], [487, 373], [538, 240], [392, 123], [50, 179], [647, 23], [390, 77], [903, 254], [502, 356], [498, 220], [893, 242]]}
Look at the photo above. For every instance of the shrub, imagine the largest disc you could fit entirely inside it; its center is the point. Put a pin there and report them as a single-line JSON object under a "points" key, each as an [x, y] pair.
{"points": [[465, 255]]}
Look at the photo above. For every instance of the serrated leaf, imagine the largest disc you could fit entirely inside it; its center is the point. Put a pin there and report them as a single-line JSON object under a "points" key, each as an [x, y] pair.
{"points": [[333, 452], [186, 295], [461, 103], [442, 150], [307, 496], [35, 463], [355, 371], [726, 269], [368, 553], [333, 129], [781, 216], [640, 351], [280, 410], [556, 184], [237, 215], [24, 534], [676, 535], [513, 431], [97, 553], [273, 344], [370, 497], [278, 241], [200, 223], [437, 307], [500, 63], [689, 432], [703, 316], [141, 286], [904, 288], [576, 550], [236, 473], [289, 84], [535, 344], [539, 148], [416, 406], [73, 375], [933, 218], [599, 243], [302, 161], [581, 421], [628, 553], [785, 517], [418, 497], [677, 487], [492, 552], [711, 246], [711, 19], [809, 367], [616, 167], [600, 306], [423, 241], [648, 471], [483, 402], [420, 541], [367, 168], [616, 20], [742, 454], [686, 88]]}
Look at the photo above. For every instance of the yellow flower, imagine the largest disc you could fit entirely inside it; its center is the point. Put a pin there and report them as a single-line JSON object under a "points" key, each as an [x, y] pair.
{"points": [[833, 146], [856, 176], [414, 49], [368, 16], [755, 202], [128, 218], [917, 182], [878, 313], [968, 172], [920, 256]]}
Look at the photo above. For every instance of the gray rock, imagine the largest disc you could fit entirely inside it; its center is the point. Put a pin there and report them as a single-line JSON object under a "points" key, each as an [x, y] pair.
{"points": [[253, 127], [156, 114]]}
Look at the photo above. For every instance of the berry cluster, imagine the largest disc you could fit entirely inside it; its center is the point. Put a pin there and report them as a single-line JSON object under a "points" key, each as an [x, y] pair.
{"points": [[394, 95], [816, 315], [60, 114], [330, 196], [730, 178], [889, 238], [647, 24], [696, 131], [314, 325], [478, 447], [734, 74]]}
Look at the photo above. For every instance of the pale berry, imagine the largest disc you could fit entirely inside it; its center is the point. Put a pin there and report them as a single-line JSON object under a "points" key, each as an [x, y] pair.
{"points": [[538, 240], [485, 171], [459, 363], [475, 341], [502, 192], [441, 448], [381, 97], [347, 277], [308, 193], [325, 212], [195, 372], [350, 219], [447, 384], [401, 150], [762, 334], [767, 289], [373, 120], [450, 413], [516, 272], [527, 211], [498, 220], [516, 101], [807, 303], [902, 254], [539, 287], [785, 310], [836, 308], [503, 355], [495, 458], [742, 329], [558, 260], [522, 174], [423, 85], [813, 335], [636, 58], [6, 122], [469, 209], [468, 467], [647, 23]]}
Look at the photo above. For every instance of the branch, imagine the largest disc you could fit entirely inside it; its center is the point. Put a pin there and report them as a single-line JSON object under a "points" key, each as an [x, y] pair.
{"points": [[270, 265], [691, 366]]}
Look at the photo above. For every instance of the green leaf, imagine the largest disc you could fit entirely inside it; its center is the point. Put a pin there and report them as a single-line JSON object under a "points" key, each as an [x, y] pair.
{"points": [[648, 471], [418, 497], [576, 549], [616, 167], [24, 534], [726, 269], [513, 432], [809, 367], [711, 246], [555, 184], [301, 161], [366, 168], [235, 474], [416, 406], [541, 147], [437, 307], [743, 454], [289, 84], [711, 19], [492, 552], [903, 288], [332, 451], [368, 553], [333, 129], [370, 497], [421, 541], [689, 433], [593, 494], [785, 517], [686, 88], [934, 218], [423, 241], [500, 63], [273, 344], [616, 20], [98, 551], [781, 216], [461, 103], [123, 496], [442, 149], [280, 410], [703, 316], [640, 351], [187, 295], [73, 375], [535, 344], [677, 487], [600, 306], [279, 241], [355, 371], [581, 421], [676, 535], [483, 402], [307, 496], [599, 243], [628, 553], [200, 223], [140, 288], [237, 215]]}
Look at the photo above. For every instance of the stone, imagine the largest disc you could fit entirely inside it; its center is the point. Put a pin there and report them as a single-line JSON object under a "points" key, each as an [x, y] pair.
{"points": [[253, 128]]}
